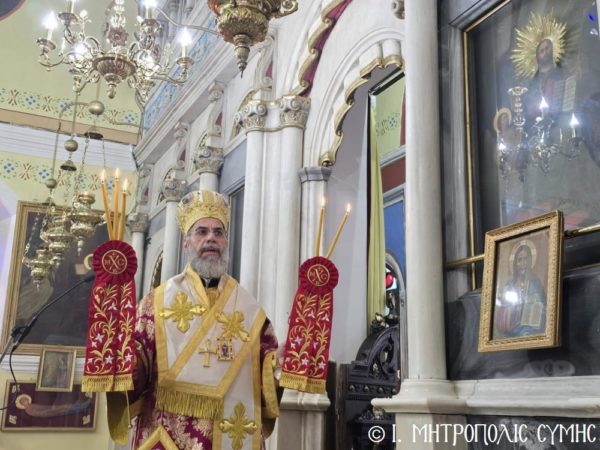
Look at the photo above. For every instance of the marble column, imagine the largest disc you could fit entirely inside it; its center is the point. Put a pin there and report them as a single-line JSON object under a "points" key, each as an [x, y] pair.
{"points": [[208, 162], [293, 113], [426, 394], [138, 225], [253, 118], [173, 189]]}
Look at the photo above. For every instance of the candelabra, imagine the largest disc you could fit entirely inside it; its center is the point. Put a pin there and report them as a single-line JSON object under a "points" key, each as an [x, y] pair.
{"points": [[549, 136]]}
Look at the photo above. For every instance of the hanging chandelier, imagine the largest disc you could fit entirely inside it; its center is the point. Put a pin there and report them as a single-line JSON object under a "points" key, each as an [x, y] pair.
{"points": [[141, 62], [246, 22], [147, 59]]}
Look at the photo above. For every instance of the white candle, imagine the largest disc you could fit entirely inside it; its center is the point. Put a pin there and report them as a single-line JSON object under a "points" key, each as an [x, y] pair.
{"points": [[574, 124], [50, 24], [184, 40], [543, 107]]}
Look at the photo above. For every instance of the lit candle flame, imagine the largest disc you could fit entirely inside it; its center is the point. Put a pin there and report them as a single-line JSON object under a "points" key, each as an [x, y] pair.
{"points": [[125, 184], [117, 173], [574, 122], [103, 175], [323, 202], [348, 208], [543, 104]]}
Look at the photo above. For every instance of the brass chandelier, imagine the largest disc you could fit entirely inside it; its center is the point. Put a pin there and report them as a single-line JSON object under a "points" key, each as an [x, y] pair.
{"points": [[147, 59]]}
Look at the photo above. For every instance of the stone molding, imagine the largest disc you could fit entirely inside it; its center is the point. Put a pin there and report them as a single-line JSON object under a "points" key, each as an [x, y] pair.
{"points": [[314, 173], [208, 159], [138, 222], [173, 189], [293, 110], [253, 116]]}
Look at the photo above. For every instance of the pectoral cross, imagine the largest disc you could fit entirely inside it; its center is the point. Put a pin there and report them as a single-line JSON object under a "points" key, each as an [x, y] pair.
{"points": [[207, 352]]}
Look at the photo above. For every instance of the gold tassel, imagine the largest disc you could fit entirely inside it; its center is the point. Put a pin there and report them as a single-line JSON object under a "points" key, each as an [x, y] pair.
{"points": [[315, 386], [118, 417], [271, 408], [103, 383], [106, 383], [199, 406], [293, 381]]}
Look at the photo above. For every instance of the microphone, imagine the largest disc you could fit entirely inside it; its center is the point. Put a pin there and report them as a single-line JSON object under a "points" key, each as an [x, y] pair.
{"points": [[18, 334]]}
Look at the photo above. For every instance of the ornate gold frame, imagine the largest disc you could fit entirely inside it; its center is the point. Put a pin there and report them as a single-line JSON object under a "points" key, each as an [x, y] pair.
{"points": [[72, 351], [16, 266], [553, 222]]}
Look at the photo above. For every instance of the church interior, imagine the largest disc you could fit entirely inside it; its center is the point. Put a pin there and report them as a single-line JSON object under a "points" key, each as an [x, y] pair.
{"points": [[441, 155]]}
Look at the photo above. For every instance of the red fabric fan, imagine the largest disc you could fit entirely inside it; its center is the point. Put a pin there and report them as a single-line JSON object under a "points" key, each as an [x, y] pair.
{"points": [[306, 353], [109, 356]]}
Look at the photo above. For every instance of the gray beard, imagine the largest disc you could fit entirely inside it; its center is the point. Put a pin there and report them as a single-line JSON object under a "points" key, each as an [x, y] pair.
{"points": [[207, 268]]}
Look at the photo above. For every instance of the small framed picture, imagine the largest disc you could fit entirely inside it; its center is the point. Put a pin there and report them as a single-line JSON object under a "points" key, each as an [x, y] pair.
{"points": [[522, 285], [57, 370]]}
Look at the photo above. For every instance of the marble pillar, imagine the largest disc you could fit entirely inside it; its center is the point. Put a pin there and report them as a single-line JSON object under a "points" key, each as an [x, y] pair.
{"points": [[426, 394], [253, 118], [173, 189], [293, 112], [138, 225]]}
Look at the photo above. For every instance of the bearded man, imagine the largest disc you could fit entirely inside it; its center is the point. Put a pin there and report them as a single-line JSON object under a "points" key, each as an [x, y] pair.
{"points": [[206, 353]]}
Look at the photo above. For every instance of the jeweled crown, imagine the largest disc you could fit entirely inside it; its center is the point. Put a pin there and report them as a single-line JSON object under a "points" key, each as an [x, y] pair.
{"points": [[199, 205]]}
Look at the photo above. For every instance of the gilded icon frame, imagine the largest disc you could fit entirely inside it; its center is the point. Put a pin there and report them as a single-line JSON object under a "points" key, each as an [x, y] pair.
{"points": [[522, 285]]}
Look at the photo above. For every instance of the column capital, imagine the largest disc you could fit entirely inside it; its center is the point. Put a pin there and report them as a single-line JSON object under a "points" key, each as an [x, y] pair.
{"points": [[398, 8], [173, 189], [293, 110], [138, 222], [208, 159], [253, 116], [314, 173]]}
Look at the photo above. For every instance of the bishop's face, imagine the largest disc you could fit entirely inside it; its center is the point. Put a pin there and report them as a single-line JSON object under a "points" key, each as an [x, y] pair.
{"points": [[207, 239]]}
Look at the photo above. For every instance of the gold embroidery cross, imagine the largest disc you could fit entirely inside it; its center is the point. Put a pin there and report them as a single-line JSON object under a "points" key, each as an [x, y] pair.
{"points": [[233, 326], [238, 426], [182, 312], [207, 352]]}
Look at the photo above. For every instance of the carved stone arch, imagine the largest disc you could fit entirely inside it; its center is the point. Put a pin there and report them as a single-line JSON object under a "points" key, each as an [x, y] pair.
{"points": [[263, 76], [142, 196], [333, 96], [156, 271], [214, 125]]}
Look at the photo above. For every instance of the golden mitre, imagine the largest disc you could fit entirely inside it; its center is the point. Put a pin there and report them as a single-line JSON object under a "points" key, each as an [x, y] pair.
{"points": [[199, 205]]}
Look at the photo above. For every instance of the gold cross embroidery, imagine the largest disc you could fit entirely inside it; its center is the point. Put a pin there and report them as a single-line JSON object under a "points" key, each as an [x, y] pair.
{"points": [[207, 352], [182, 312], [233, 326], [238, 426]]}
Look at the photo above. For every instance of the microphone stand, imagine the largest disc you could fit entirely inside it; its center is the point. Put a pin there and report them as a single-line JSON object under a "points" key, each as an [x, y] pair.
{"points": [[18, 334]]}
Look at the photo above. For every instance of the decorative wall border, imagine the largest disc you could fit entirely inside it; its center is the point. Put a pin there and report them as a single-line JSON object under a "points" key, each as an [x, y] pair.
{"points": [[30, 102]]}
